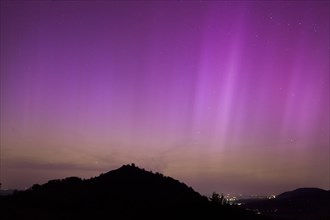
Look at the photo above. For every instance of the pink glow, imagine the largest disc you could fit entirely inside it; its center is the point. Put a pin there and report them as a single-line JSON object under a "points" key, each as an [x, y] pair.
{"points": [[226, 96]]}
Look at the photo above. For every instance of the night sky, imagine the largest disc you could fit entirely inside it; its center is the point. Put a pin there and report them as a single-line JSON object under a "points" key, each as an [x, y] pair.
{"points": [[230, 97]]}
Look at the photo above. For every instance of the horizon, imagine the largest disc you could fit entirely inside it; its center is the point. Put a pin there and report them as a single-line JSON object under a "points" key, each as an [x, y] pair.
{"points": [[224, 96], [252, 195]]}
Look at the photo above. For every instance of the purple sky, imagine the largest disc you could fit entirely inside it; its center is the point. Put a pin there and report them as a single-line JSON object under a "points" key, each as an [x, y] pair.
{"points": [[224, 96]]}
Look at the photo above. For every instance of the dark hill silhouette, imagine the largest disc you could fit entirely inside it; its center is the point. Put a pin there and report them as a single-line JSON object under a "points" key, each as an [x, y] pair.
{"points": [[304, 193], [126, 193], [302, 203]]}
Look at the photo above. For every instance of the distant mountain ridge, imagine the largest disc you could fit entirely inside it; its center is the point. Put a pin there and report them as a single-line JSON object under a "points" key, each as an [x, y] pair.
{"points": [[125, 193], [303, 192], [301, 203], [6, 192]]}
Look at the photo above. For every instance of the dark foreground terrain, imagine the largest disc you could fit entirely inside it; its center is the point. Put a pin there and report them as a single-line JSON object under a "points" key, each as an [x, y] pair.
{"points": [[126, 193]]}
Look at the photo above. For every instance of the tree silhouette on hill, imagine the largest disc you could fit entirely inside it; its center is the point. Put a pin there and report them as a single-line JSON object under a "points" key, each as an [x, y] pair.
{"points": [[126, 193]]}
